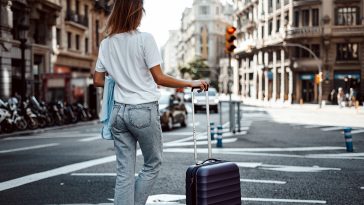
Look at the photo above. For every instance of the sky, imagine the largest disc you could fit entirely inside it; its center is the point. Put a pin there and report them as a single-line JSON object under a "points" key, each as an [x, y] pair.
{"points": [[162, 16]]}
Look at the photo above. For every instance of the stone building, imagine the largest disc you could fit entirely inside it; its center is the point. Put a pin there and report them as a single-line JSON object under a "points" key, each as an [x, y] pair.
{"points": [[203, 33], [26, 44], [61, 40], [169, 54], [78, 32], [273, 62]]}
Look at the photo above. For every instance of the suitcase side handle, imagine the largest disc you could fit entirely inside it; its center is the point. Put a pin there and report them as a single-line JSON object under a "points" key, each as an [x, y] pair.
{"points": [[208, 125]]}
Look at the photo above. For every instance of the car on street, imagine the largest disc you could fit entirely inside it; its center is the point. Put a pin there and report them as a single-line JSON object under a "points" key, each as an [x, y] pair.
{"points": [[187, 94], [172, 110], [200, 101]]}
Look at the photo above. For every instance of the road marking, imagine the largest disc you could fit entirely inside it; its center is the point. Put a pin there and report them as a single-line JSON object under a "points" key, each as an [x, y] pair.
{"points": [[182, 144], [284, 200], [341, 155], [314, 126], [357, 131], [196, 124], [289, 149], [98, 137], [263, 181], [331, 128], [79, 135], [177, 133], [28, 148], [362, 187], [160, 198], [97, 174], [223, 151], [284, 168]]}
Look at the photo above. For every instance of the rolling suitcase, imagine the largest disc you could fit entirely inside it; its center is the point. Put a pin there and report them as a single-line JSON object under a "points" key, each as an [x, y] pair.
{"points": [[212, 182]]}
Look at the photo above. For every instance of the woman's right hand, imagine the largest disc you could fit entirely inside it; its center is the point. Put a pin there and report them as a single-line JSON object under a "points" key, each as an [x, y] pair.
{"points": [[200, 84]]}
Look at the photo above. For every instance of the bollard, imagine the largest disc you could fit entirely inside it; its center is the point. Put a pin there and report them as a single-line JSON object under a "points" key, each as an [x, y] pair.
{"points": [[219, 136], [212, 129], [348, 139], [220, 112]]}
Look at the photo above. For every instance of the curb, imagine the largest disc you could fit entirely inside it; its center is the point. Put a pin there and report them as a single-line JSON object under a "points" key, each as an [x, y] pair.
{"points": [[43, 130]]}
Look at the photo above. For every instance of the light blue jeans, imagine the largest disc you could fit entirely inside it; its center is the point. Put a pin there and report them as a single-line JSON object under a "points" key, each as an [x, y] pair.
{"points": [[131, 124]]}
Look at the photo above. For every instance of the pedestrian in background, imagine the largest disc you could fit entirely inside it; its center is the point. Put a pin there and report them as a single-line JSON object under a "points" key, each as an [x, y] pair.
{"points": [[333, 97], [341, 97], [133, 60]]}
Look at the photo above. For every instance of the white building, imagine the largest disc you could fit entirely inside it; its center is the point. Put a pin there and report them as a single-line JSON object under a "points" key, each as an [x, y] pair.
{"points": [[203, 33], [169, 54]]}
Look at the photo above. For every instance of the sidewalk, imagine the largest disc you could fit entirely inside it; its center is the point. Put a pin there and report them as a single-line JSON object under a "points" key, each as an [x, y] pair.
{"points": [[43, 130]]}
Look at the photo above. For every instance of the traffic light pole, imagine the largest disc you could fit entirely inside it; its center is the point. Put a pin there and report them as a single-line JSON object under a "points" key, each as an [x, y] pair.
{"points": [[231, 107]]}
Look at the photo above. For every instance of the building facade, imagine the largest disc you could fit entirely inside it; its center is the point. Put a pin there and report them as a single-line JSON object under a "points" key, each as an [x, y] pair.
{"points": [[169, 54], [203, 33], [275, 38], [56, 43], [26, 44]]}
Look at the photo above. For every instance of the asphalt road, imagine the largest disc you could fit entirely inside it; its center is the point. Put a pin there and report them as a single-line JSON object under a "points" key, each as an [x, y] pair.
{"points": [[279, 164]]}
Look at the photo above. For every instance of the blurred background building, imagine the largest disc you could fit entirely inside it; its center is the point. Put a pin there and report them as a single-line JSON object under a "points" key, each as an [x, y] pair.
{"points": [[202, 34], [56, 42], [332, 29], [169, 54]]}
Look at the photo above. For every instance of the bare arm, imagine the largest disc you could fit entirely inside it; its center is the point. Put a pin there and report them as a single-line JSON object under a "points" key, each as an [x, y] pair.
{"points": [[99, 79], [168, 81]]}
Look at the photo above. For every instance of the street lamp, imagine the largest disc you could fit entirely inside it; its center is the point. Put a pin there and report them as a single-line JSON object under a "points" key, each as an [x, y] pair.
{"points": [[23, 36]]}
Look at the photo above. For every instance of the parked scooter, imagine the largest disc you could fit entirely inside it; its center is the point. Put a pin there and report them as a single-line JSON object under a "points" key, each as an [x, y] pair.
{"points": [[19, 122], [29, 115], [6, 124]]}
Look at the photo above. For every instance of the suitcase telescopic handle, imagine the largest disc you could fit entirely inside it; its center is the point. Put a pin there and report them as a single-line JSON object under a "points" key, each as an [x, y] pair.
{"points": [[208, 124]]}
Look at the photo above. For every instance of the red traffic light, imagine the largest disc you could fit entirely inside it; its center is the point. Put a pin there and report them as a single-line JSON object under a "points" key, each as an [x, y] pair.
{"points": [[230, 30]]}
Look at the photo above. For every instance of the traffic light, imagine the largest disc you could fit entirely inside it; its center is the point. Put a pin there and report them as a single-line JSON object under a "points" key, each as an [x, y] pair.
{"points": [[229, 39], [318, 78]]}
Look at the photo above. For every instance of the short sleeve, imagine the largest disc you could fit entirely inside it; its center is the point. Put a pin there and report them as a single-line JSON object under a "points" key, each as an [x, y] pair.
{"points": [[152, 56], [100, 63]]}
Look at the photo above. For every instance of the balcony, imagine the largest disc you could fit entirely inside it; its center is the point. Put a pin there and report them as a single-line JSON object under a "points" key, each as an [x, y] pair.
{"points": [[304, 32], [348, 30], [76, 18], [248, 26]]}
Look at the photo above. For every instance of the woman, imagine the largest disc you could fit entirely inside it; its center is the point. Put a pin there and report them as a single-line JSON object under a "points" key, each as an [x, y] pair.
{"points": [[132, 59]]}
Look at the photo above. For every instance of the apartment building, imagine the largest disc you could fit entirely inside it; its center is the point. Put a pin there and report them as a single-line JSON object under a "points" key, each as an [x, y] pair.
{"points": [[26, 45], [202, 33], [78, 33], [275, 38]]}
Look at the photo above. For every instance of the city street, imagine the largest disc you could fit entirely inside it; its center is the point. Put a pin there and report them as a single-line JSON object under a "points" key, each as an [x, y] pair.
{"points": [[280, 163]]}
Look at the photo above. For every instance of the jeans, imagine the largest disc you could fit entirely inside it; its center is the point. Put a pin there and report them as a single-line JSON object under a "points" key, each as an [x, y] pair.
{"points": [[131, 124]]}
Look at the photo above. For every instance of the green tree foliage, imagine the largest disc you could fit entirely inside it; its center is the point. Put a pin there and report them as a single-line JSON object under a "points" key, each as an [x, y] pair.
{"points": [[197, 69]]}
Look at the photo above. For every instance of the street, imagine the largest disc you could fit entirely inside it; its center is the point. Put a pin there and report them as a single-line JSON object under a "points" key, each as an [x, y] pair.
{"points": [[280, 163]]}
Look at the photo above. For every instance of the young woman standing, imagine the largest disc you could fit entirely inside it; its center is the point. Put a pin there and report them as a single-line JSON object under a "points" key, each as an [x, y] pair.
{"points": [[133, 60]]}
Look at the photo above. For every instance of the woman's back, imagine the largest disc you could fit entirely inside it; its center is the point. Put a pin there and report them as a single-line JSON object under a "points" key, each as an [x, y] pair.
{"points": [[127, 57]]}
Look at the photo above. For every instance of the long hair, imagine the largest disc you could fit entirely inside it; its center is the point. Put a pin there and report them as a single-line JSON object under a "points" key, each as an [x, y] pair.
{"points": [[125, 16]]}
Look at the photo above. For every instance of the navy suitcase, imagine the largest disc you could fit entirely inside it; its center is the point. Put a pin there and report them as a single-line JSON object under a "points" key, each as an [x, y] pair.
{"points": [[212, 182]]}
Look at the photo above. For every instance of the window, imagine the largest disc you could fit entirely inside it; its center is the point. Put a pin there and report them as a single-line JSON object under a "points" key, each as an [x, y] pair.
{"points": [[315, 17], [85, 11], [347, 51], [97, 33], [305, 17], [58, 36], [270, 27], [316, 49], [262, 31], [86, 45], [204, 10], [304, 52], [278, 4], [77, 7], [347, 16], [77, 42], [278, 25], [69, 40], [296, 18]]}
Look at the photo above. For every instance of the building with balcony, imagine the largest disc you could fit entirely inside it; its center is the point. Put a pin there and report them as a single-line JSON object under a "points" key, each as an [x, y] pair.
{"points": [[77, 34], [26, 45], [202, 34], [271, 65]]}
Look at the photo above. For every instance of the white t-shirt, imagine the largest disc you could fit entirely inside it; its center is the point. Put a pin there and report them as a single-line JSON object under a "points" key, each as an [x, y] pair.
{"points": [[127, 58]]}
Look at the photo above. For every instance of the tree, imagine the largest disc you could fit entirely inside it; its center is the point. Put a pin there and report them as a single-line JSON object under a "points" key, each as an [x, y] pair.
{"points": [[197, 69]]}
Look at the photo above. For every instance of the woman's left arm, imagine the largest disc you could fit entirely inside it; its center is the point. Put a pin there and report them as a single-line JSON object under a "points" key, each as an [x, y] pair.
{"points": [[99, 79]]}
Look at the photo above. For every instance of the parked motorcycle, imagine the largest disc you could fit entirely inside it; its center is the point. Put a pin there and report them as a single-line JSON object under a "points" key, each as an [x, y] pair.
{"points": [[6, 124], [29, 115], [19, 122]]}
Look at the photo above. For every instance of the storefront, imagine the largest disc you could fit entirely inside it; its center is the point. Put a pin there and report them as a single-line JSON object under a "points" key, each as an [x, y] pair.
{"points": [[307, 87], [347, 80]]}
